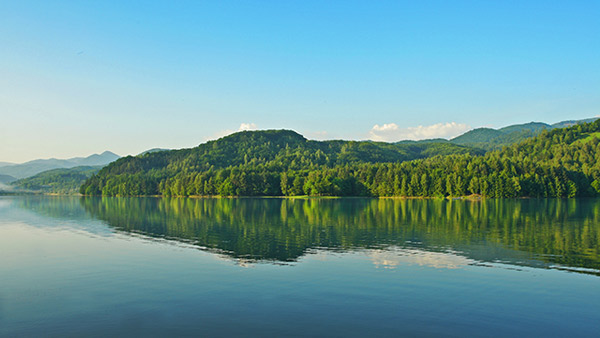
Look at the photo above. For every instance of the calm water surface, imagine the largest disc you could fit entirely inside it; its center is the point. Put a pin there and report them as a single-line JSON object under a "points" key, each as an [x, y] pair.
{"points": [[317, 267]]}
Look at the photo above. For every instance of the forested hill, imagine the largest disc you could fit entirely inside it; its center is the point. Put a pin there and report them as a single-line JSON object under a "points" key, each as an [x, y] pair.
{"points": [[278, 150], [496, 139], [266, 153], [561, 162], [57, 181]]}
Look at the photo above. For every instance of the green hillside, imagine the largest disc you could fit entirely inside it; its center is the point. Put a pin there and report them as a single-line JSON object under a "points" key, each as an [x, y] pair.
{"points": [[588, 137], [261, 155], [491, 139], [476, 136], [557, 163], [570, 123], [495, 139], [535, 127], [59, 181]]}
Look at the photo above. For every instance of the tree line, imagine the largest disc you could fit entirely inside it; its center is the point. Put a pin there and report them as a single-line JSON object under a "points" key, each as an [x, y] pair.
{"points": [[558, 163]]}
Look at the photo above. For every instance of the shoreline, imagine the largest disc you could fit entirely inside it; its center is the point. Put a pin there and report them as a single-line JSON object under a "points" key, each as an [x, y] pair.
{"points": [[472, 198]]}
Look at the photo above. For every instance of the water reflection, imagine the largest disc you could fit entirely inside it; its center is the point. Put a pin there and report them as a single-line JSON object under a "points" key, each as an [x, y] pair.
{"points": [[394, 257], [548, 233]]}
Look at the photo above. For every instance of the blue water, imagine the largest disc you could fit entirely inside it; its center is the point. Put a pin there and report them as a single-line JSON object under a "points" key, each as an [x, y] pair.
{"points": [[275, 267]]}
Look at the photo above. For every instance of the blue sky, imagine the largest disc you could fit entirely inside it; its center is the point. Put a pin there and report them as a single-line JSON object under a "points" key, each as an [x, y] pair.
{"points": [[82, 77]]}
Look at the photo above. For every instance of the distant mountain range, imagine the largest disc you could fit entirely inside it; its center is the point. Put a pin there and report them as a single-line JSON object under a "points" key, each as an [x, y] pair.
{"points": [[28, 169]]}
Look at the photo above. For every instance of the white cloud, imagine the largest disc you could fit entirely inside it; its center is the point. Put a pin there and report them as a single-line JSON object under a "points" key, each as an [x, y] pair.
{"points": [[223, 133], [386, 127], [391, 132], [247, 126]]}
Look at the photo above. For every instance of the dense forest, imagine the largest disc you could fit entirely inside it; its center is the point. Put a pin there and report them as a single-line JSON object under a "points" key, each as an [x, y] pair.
{"points": [[557, 163], [492, 139]]}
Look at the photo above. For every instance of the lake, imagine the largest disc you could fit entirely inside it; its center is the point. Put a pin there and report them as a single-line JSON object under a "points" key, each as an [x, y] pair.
{"points": [[81, 266]]}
